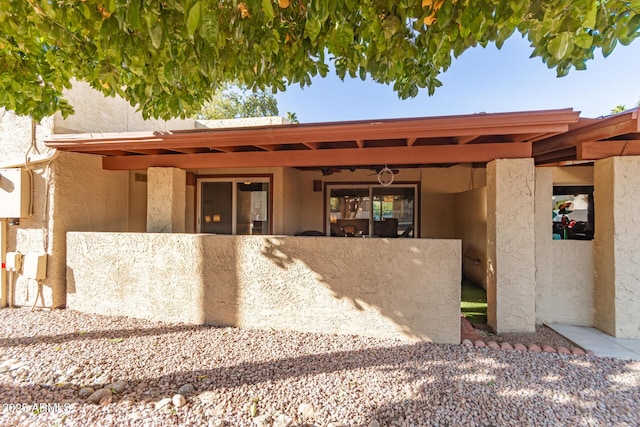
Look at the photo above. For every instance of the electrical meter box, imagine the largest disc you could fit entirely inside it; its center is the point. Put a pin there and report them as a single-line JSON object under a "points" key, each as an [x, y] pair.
{"points": [[34, 266], [15, 193], [14, 261]]}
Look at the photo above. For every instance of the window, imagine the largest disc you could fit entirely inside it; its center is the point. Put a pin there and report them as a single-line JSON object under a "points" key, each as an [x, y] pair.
{"points": [[573, 217], [234, 205], [367, 210]]}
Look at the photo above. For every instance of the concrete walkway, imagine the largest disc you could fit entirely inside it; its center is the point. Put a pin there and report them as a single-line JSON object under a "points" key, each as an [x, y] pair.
{"points": [[599, 342]]}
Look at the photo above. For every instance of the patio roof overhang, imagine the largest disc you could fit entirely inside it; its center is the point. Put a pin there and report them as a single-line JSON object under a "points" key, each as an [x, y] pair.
{"points": [[549, 136]]}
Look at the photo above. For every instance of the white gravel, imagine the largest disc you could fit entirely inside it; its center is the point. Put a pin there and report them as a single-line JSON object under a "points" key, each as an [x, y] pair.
{"points": [[270, 378]]}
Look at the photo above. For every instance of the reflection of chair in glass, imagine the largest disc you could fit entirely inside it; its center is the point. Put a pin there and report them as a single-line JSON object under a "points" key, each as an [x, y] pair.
{"points": [[349, 230], [407, 232], [388, 227], [350, 227]]}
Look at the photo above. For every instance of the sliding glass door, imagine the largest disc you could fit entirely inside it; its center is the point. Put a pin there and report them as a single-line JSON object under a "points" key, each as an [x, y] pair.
{"points": [[234, 205], [371, 210]]}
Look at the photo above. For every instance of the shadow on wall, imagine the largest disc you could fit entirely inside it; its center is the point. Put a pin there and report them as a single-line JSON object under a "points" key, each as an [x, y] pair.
{"points": [[153, 276], [409, 286], [376, 287]]}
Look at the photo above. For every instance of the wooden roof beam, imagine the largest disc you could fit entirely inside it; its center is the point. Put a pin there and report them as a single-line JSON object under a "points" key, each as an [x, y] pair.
{"points": [[147, 152], [603, 149], [551, 121], [466, 139], [185, 150], [556, 156], [606, 128], [435, 154]]}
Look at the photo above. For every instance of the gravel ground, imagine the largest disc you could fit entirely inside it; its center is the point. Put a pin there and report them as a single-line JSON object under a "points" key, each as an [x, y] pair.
{"points": [[246, 377]]}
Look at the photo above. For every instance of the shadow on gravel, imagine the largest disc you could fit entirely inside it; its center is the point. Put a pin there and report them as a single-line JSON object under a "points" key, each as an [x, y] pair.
{"points": [[81, 335], [489, 387], [447, 384]]}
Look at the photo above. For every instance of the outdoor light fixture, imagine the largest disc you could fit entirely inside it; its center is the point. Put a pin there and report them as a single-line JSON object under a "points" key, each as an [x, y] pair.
{"points": [[385, 176]]}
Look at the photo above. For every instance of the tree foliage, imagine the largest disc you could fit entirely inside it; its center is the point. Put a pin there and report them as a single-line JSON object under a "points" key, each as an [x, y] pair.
{"points": [[169, 56], [234, 101]]}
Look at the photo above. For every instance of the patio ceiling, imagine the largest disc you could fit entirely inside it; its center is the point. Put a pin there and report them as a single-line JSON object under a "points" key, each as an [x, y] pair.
{"points": [[549, 136]]}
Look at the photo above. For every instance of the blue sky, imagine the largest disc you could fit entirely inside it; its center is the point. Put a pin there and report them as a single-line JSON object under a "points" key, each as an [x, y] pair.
{"points": [[481, 80]]}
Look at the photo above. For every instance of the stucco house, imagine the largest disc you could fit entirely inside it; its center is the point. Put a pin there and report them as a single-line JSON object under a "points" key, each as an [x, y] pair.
{"points": [[351, 227]]}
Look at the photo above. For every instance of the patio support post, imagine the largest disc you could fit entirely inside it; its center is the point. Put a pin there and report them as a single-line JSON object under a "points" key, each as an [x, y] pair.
{"points": [[511, 269], [166, 200], [617, 246]]}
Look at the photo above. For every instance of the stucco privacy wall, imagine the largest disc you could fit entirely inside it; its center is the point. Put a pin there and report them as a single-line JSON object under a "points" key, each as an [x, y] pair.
{"points": [[471, 228], [617, 246], [511, 265], [313, 284], [564, 268]]}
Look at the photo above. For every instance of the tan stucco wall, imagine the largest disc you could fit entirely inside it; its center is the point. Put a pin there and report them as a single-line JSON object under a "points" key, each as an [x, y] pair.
{"points": [[96, 113], [544, 244], [15, 137], [29, 236], [570, 299], [166, 200], [292, 201], [80, 196], [137, 201], [314, 284], [511, 245], [617, 246], [471, 227], [573, 175], [564, 268]]}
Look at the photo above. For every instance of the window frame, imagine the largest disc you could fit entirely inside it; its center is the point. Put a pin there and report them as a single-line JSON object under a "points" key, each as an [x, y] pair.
{"points": [[234, 180], [566, 190], [328, 186]]}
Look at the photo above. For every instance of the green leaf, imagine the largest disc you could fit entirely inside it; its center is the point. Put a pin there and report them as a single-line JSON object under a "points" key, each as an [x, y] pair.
{"points": [[560, 45], [583, 40], [312, 29], [155, 34], [590, 17], [267, 7], [344, 35], [133, 15], [634, 25], [193, 20], [390, 26], [608, 45]]}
